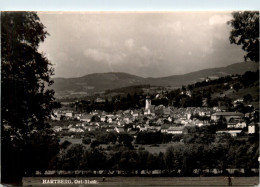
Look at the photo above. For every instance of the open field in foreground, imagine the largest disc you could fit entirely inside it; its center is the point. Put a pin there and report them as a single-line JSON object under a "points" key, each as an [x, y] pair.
{"points": [[143, 181]]}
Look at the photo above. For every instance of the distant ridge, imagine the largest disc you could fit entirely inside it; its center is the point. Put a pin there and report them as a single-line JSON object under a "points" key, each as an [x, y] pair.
{"points": [[99, 82]]}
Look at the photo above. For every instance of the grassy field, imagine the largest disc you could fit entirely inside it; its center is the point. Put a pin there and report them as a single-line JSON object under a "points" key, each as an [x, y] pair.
{"points": [[71, 140], [146, 181], [159, 148]]}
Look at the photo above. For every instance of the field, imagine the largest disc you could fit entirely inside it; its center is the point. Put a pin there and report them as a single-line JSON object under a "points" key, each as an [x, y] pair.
{"points": [[150, 148], [71, 140], [159, 147], [146, 181]]}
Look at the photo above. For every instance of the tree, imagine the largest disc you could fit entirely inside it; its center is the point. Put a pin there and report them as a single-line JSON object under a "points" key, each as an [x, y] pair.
{"points": [[26, 102], [86, 140], [248, 98], [72, 158], [245, 32], [126, 139], [237, 86], [94, 144]]}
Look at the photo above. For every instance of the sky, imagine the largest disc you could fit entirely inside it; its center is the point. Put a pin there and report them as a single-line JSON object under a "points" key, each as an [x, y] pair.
{"points": [[147, 44]]}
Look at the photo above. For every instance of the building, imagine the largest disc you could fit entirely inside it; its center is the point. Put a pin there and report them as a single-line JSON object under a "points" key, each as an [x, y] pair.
{"points": [[236, 123], [251, 128], [69, 114], [227, 115], [175, 130], [147, 109], [86, 118], [119, 129], [231, 132]]}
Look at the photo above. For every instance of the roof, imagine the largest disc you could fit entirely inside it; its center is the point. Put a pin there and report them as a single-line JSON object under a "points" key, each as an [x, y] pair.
{"points": [[252, 124], [229, 131], [175, 128], [227, 114], [86, 117], [120, 129]]}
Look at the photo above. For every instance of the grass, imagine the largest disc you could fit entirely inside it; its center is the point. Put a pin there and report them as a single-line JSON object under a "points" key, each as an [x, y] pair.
{"points": [[71, 140], [159, 147], [148, 181]]}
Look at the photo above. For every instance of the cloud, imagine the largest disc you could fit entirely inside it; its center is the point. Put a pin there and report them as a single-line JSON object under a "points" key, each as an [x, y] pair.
{"points": [[129, 43], [176, 27], [219, 19], [145, 44], [100, 56], [144, 51]]}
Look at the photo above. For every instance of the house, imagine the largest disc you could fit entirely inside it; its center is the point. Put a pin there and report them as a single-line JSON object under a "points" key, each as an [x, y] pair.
{"points": [[199, 123], [73, 129], [231, 132], [133, 132], [69, 114], [86, 118], [188, 115], [251, 128], [119, 129], [100, 100], [127, 119], [159, 121], [236, 123], [164, 129], [57, 128], [141, 128], [103, 118], [77, 115], [234, 132], [227, 115], [188, 93], [175, 130], [240, 100], [154, 128], [91, 128], [220, 109], [109, 120], [57, 115], [110, 129]]}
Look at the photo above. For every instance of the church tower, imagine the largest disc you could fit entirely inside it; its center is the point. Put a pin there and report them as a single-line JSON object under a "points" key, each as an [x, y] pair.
{"points": [[147, 102], [147, 105]]}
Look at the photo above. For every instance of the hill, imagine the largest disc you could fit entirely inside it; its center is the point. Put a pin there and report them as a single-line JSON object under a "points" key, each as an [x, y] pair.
{"points": [[193, 77], [94, 83], [100, 82]]}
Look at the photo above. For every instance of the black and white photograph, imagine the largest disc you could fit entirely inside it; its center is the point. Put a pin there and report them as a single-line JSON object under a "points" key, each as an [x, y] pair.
{"points": [[130, 98]]}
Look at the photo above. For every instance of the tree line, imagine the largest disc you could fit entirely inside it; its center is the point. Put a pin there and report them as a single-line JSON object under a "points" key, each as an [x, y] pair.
{"points": [[188, 159]]}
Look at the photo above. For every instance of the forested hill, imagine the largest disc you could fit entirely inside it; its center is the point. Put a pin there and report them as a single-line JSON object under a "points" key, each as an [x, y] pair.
{"points": [[100, 82]]}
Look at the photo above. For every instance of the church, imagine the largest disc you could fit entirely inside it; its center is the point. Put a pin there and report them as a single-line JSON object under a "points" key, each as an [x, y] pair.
{"points": [[148, 105]]}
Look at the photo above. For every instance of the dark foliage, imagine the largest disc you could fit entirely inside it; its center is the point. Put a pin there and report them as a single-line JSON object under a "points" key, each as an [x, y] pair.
{"points": [[245, 32], [26, 103]]}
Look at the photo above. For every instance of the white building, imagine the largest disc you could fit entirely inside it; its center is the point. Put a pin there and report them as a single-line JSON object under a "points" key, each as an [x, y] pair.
{"points": [[251, 128], [175, 130]]}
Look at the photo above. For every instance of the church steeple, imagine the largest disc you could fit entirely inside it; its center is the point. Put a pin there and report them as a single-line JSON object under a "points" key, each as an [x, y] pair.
{"points": [[147, 104]]}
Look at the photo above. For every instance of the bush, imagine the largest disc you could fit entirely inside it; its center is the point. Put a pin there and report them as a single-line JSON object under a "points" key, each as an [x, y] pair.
{"points": [[94, 144], [86, 140]]}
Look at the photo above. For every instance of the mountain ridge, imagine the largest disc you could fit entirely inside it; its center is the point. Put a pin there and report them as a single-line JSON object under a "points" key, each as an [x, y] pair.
{"points": [[99, 82]]}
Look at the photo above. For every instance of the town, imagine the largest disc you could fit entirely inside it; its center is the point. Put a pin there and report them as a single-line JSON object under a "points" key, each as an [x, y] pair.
{"points": [[164, 119]]}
